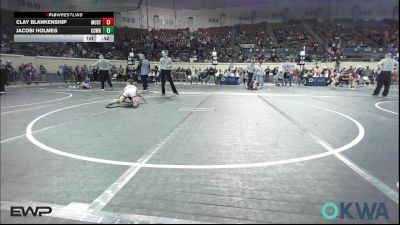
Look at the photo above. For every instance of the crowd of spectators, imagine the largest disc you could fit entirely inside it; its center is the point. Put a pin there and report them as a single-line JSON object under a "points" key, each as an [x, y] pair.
{"points": [[352, 76], [282, 44]]}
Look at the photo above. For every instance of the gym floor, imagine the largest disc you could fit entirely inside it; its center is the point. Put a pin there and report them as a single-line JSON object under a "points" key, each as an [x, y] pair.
{"points": [[213, 154]]}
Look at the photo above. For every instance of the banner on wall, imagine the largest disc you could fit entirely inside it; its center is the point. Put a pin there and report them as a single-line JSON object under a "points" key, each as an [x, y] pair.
{"points": [[129, 19], [288, 66]]}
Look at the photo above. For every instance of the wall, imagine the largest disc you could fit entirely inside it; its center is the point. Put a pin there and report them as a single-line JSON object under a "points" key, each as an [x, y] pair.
{"points": [[53, 63], [273, 11]]}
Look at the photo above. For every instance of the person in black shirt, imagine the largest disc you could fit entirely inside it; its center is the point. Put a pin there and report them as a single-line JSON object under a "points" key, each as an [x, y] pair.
{"points": [[203, 77], [244, 77], [287, 77], [95, 73], [156, 74], [267, 71], [301, 78], [42, 73], [219, 76], [188, 73], [10, 72], [3, 76], [211, 76], [274, 71]]}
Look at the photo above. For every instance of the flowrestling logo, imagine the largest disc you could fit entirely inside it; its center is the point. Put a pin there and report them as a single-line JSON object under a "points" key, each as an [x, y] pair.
{"points": [[355, 210]]}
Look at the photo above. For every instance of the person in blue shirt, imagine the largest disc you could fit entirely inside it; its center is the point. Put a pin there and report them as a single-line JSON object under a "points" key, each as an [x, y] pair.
{"points": [[144, 70]]}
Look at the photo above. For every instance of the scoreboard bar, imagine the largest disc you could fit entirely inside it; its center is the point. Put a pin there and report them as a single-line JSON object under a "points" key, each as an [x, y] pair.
{"points": [[64, 26], [64, 30], [62, 38]]}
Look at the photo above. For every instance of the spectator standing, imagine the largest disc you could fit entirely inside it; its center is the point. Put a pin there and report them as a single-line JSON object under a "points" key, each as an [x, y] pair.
{"points": [[144, 70], [10, 72], [128, 72], [195, 76], [368, 73], [95, 73], [395, 78], [90, 73], [267, 71], [219, 76], [250, 72], [360, 74], [188, 73], [21, 73], [237, 76], [156, 74], [77, 73], [295, 76], [42, 73], [85, 73], [28, 73], [201, 76], [65, 72], [244, 77], [211, 75], [259, 73], [3, 76]]}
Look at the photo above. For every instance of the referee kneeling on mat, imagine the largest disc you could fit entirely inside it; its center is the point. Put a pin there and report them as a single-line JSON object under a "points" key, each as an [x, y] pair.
{"points": [[387, 66], [104, 67]]}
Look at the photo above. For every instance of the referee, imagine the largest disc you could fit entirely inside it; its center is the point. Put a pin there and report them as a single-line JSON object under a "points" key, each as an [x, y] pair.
{"points": [[165, 74], [387, 66], [104, 66]]}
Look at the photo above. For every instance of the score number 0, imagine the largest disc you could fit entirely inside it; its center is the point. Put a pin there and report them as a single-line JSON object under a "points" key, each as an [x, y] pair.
{"points": [[108, 21]]}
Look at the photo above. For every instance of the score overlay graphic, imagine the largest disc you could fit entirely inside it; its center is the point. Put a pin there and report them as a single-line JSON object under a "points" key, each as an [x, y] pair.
{"points": [[64, 26]]}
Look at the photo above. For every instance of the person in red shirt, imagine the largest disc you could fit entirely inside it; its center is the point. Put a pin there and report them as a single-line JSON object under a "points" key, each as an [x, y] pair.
{"points": [[351, 75], [395, 77], [295, 74]]}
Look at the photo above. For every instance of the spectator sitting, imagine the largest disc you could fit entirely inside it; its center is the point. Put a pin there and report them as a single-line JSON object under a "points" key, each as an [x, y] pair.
{"points": [[121, 76], [278, 78], [287, 78]]}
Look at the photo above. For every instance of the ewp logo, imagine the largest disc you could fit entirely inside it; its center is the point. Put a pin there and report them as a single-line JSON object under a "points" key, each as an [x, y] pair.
{"points": [[365, 211], [20, 210]]}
